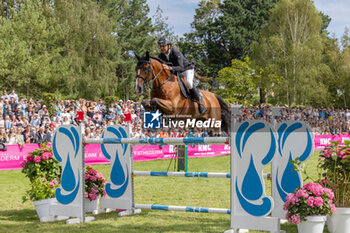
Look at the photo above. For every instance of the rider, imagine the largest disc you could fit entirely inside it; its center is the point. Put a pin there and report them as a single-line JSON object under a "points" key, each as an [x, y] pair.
{"points": [[180, 65]]}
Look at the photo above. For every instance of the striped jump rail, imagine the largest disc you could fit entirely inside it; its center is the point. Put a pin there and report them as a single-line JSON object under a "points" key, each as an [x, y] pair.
{"points": [[188, 174], [160, 141], [183, 208]]}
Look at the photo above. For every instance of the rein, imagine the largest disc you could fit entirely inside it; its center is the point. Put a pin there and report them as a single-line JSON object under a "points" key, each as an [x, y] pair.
{"points": [[155, 78]]}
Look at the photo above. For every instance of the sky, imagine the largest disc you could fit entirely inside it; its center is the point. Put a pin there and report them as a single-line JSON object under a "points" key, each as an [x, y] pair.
{"points": [[180, 14]]}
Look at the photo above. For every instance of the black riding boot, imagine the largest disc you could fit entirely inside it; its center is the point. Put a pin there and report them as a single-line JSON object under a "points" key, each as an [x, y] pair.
{"points": [[198, 98]]}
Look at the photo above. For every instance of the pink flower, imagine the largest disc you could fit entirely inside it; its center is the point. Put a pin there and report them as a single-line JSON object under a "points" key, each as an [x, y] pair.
{"points": [[286, 205], [45, 156], [341, 155], [329, 192], [86, 176], [92, 172], [302, 193], [99, 176], [94, 191], [295, 219], [92, 196], [290, 196], [315, 188], [104, 193], [333, 209], [86, 195], [310, 201], [51, 184], [50, 155], [55, 182], [37, 159], [318, 201], [29, 158], [93, 178], [23, 163], [327, 154]]}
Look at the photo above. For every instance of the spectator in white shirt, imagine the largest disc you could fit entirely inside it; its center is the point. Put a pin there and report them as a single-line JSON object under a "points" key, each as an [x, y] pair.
{"points": [[14, 95], [4, 95]]}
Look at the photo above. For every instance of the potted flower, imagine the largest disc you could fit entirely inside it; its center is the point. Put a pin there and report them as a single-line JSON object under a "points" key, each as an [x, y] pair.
{"points": [[44, 172], [94, 188], [308, 207], [42, 193], [335, 165]]}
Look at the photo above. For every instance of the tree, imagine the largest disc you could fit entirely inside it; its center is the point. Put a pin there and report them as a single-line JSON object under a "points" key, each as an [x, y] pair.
{"points": [[337, 57], [87, 46], [291, 45], [224, 31], [236, 82], [131, 32], [30, 48]]}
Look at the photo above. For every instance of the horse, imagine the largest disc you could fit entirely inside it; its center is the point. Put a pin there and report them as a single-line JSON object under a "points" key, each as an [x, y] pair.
{"points": [[166, 94]]}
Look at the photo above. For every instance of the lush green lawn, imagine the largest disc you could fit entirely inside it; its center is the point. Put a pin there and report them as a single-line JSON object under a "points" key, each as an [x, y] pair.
{"points": [[16, 216]]}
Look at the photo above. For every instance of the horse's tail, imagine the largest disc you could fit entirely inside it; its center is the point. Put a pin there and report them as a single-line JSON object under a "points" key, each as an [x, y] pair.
{"points": [[225, 116]]}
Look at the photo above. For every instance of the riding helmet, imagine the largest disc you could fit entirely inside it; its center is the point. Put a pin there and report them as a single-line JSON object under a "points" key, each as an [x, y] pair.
{"points": [[164, 40]]}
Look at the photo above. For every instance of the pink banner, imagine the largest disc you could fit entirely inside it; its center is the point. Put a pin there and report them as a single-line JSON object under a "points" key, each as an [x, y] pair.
{"points": [[321, 141], [12, 158]]}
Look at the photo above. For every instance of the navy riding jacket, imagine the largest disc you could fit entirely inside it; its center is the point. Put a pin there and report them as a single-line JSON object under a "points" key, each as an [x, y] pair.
{"points": [[180, 63]]}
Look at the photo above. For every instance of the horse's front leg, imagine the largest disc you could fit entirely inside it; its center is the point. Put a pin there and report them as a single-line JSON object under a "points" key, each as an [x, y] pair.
{"points": [[166, 106]]}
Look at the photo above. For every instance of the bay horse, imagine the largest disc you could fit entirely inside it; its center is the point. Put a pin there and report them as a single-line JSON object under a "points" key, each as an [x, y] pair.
{"points": [[166, 94]]}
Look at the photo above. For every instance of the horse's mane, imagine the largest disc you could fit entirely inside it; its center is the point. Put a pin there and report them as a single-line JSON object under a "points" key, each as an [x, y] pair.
{"points": [[158, 59]]}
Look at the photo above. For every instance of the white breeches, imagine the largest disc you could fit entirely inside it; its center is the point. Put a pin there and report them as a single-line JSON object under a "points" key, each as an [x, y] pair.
{"points": [[189, 74]]}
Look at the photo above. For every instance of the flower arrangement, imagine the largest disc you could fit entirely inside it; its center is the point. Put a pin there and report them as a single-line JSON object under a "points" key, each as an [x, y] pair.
{"points": [[41, 164], [309, 200], [335, 165], [41, 189], [94, 184]]}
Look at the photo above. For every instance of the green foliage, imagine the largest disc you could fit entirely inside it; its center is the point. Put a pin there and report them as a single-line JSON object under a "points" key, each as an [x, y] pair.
{"points": [[41, 164], [131, 27], [30, 48], [41, 189], [291, 46], [236, 82], [337, 76], [224, 30]]}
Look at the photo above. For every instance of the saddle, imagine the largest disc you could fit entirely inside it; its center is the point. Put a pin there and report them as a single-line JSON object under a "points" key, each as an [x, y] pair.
{"points": [[183, 86]]}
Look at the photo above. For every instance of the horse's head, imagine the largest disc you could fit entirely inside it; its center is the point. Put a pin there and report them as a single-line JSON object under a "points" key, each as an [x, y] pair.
{"points": [[143, 72]]}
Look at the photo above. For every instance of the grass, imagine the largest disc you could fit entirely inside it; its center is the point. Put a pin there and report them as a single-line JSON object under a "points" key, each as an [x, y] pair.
{"points": [[16, 216]]}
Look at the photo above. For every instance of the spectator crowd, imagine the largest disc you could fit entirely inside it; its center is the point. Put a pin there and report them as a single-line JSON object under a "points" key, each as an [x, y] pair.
{"points": [[27, 121]]}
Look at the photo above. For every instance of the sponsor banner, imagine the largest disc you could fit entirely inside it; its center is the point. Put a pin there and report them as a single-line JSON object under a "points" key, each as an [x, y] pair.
{"points": [[321, 141], [14, 155]]}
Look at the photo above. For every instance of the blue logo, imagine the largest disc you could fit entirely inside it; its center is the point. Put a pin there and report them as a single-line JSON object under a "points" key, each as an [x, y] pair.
{"points": [[151, 120]]}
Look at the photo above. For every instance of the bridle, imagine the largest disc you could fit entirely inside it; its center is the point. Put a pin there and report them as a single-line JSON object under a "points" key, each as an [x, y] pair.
{"points": [[149, 71]]}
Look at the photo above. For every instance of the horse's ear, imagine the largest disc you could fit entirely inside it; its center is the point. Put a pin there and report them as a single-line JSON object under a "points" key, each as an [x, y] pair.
{"points": [[147, 56], [137, 56]]}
